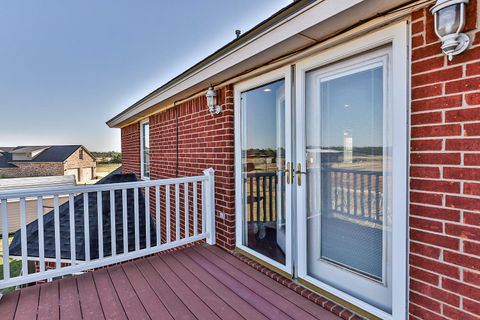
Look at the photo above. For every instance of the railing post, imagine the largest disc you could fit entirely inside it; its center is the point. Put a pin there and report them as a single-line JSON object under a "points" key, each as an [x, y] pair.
{"points": [[210, 205]]}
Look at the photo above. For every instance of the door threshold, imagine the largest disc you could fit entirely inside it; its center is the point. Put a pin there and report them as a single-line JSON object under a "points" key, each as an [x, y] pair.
{"points": [[357, 310], [264, 263]]}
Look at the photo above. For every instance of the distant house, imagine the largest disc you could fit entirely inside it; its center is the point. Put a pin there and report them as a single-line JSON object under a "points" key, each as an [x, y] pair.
{"points": [[31, 204], [34, 161]]}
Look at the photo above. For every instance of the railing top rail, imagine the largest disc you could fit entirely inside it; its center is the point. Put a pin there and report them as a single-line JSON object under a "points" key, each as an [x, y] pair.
{"points": [[35, 192]]}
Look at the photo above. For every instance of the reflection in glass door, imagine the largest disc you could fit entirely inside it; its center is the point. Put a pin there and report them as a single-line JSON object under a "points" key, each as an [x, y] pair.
{"points": [[348, 169], [263, 163]]}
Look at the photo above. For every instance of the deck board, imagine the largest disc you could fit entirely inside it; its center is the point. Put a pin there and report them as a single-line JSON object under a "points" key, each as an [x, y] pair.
{"points": [[27, 306], [69, 299], [150, 301], [174, 305], [89, 299], [9, 304], [290, 295], [253, 298], [201, 282], [209, 297], [112, 308], [48, 306], [228, 295], [128, 298]]}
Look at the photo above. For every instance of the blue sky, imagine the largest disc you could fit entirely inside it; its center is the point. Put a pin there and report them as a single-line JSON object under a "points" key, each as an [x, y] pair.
{"points": [[68, 66]]}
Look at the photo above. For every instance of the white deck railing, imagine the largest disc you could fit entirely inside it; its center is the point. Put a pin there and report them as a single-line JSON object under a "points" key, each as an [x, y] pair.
{"points": [[176, 201]]}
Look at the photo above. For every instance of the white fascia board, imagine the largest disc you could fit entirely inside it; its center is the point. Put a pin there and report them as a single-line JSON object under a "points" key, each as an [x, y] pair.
{"points": [[285, 29]]}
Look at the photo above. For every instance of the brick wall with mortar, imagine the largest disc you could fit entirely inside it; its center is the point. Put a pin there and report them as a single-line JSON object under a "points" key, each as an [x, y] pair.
{"points": [[34, 169], [204, 141], [130, 136], [444, 216]]}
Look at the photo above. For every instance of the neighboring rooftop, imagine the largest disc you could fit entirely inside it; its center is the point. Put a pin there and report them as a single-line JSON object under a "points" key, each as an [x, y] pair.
{"points": [[37, 153], [36, 182]]}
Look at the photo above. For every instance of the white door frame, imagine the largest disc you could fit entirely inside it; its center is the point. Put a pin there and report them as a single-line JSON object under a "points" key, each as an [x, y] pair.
{"points": [[282, 73], [396, 36]]}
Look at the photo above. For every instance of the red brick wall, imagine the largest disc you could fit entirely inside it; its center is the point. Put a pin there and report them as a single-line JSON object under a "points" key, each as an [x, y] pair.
{"points": [[131, 149], [204, 141], [444, 174]]}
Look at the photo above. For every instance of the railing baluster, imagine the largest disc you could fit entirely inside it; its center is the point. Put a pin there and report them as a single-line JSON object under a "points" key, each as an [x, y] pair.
{"points": [[137, 222], [204, 206], [348, 193], [177, 212], [41, 240], [362, 194], [56, 222], [264, 189], [335, 189], [100, 224], [6, 253], [377, 196], [86, 226], [23, 233], [71, 212], [167, 213], [270, 198], [355, 194], [369, 187], [147, 217], [112, 223], [185, 198], [195, 210], [251, 199], [257, 180], [125, 221], [157, 214]]}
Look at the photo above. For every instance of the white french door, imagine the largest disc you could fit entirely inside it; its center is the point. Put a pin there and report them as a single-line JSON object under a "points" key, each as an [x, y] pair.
{"points": [[263, 166], [351, 151], [336, 166]]}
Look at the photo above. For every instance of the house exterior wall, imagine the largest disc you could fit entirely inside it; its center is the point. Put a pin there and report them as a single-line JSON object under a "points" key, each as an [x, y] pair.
{"points": [[33, 169], [74, 162], [444, 213], [444, 174], [204, 141], [130, 136]]}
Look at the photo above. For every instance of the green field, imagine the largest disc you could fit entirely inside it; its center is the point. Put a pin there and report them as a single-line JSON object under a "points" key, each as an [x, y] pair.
{"points": [[107, 167]]}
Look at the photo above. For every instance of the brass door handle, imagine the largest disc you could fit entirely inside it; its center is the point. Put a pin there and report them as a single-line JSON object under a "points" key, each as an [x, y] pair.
{"points": [[299, 174], [287, 172]]}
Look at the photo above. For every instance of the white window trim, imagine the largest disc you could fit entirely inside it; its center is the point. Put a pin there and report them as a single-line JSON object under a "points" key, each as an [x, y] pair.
{"points": [[142, 160], [282, 73], [397, 36]]}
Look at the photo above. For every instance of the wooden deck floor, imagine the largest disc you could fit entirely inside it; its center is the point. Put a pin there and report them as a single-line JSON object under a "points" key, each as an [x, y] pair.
{"points": [[202, 282]]}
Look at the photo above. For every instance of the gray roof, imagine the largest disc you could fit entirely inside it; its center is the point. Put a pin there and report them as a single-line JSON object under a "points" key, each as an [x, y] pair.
{"points": [[5, 159], [51, 154], [49, 228], [6, 149], [37, 182]]}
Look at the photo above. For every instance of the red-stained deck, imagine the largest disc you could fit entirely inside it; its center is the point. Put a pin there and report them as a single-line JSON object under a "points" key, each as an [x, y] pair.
{"points": [[201, 282]]}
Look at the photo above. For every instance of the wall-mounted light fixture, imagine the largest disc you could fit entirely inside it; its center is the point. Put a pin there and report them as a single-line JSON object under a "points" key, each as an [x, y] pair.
{"points": [[449, 16], [211, 96]]}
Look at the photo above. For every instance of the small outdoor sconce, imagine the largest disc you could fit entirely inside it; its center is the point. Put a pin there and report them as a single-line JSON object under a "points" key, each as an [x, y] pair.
{"points": [[449, 16], [211, 96]]}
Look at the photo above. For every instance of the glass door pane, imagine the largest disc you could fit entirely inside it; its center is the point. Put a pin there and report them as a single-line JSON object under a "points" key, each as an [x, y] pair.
{"points": [[263, 165], [348, 169]]}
